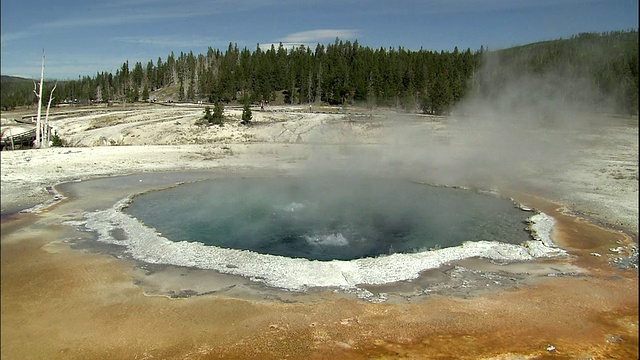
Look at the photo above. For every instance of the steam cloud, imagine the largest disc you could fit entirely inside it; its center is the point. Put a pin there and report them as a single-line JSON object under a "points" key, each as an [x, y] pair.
{"points": [[511, 125]]}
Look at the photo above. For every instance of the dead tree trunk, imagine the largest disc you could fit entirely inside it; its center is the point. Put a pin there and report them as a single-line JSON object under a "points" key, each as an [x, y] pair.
{"points": [[39, 95], [42, 127], [46, 117]]}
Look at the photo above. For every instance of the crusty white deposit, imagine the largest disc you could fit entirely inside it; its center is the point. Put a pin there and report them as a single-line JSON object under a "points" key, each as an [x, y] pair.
{"points": [[596, 174]]}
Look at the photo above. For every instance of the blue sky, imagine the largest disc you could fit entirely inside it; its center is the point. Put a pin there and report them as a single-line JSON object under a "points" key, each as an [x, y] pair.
{"points": [[85, 37]]}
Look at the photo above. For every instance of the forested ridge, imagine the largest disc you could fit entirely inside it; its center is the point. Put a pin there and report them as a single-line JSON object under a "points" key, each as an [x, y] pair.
{"points": [[344, 73], [599, 71]]}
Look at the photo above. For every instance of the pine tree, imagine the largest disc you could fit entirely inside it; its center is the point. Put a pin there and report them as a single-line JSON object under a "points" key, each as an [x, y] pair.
{"points": [[145, 93], [191, 92], [134, 95], [246, 113], [181, 91], [208, 116], [217, 113]]}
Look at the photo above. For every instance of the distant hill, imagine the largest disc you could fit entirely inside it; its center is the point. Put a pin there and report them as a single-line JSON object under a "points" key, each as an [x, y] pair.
{"points": [[599, 70], [16, 91], [14, 79]]}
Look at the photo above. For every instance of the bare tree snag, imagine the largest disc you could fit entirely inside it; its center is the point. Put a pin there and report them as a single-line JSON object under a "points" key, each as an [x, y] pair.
{"points": [[39, 95], [46, 117], [42, 127]]}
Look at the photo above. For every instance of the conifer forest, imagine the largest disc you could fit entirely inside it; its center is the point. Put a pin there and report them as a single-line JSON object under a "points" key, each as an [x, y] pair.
{"points": [[346, 73]]}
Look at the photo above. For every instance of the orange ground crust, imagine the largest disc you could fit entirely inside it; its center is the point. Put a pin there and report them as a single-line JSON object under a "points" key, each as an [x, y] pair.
{"points": [[59, 303]]}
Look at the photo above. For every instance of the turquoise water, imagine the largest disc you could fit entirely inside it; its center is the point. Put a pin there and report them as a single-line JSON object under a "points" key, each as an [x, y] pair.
{"points": [[328, 218]]}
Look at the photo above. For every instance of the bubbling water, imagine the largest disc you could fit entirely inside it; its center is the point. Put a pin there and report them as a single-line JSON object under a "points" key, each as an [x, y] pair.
{"points": [[327, 218]]}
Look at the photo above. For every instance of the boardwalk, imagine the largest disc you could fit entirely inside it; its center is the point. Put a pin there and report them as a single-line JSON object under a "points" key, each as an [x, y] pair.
{"points": [[13, 137]]}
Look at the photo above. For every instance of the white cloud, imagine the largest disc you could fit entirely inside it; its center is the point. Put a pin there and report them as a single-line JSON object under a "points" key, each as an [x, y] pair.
{"points": [[319, 36], [7, 38], [113, 20], [144, 11], [414, 7], [167, 41]]}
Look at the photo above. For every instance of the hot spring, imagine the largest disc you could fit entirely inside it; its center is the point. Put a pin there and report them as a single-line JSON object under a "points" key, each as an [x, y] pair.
{"points": [[298, 232], [323, 219]]}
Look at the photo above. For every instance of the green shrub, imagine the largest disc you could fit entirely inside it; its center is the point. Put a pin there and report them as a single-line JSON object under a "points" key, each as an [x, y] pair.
{"points": [[246, 114], [207, 114], [217, 116], [56, 141]]}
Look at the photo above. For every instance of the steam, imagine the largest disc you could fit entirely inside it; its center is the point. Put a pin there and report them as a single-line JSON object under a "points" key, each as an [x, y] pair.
{"points": [[511, 125]]}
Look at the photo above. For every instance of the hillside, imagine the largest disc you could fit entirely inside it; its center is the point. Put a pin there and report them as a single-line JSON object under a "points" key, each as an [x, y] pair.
{"points": [[14, 79], [599, 70]]}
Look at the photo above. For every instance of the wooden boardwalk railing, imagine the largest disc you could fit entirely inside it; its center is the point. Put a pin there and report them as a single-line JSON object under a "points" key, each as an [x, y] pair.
{"points": [[22, 139]]}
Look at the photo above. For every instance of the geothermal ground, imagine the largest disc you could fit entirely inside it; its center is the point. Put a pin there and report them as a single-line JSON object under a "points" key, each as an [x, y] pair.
{"points": [[63, 296]]}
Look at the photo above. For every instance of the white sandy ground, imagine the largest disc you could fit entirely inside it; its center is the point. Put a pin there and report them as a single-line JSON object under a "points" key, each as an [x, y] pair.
{"points": [[599, 179]]}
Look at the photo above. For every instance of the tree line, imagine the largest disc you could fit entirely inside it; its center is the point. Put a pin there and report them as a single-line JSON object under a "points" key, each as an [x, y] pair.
{"points": [[337, 74], [344, 73]]}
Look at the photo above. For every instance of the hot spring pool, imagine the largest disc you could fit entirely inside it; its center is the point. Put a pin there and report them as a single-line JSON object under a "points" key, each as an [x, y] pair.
{"points": [[300, 232], [328, 219]]}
